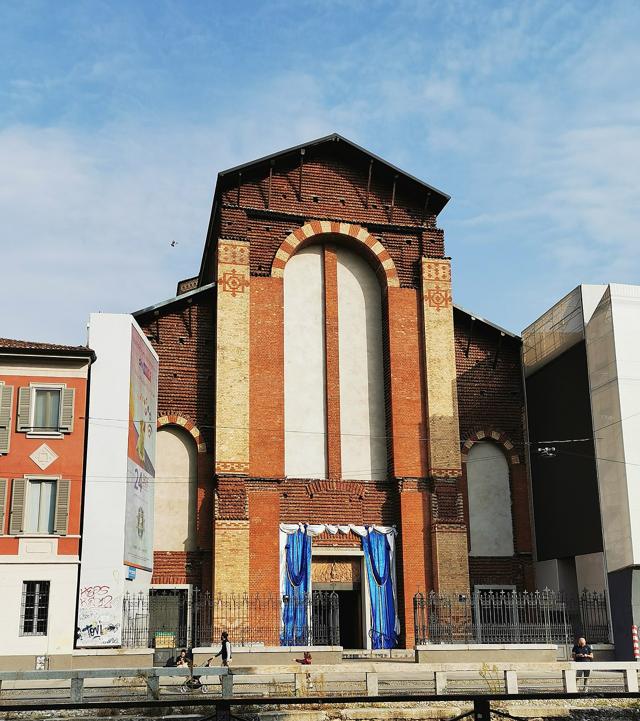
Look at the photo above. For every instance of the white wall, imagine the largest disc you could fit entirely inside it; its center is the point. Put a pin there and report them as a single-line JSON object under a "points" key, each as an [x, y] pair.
{"points": [[362, 401], [304, 366], [37, 560], [490, 525], [626, 326], [106, 478], [608, 433], [175, 491]]}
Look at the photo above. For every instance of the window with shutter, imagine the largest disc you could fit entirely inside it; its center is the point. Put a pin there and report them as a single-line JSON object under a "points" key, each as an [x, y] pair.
{"points": [[24, 410], [66, 417], [16, 519], [3, 504], [6, 403], [61, 521]]}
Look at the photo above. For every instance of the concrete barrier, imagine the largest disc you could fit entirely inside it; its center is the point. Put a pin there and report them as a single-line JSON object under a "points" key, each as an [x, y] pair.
{"points": [[272, 655], [486, 653]]}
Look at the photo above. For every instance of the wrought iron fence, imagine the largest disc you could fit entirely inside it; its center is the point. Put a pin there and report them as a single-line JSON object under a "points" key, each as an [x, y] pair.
{"points": [[175, 618], [510, 617]]}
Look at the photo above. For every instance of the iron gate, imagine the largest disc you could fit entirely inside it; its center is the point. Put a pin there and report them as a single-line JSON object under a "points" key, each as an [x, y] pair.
{"points": [[510, 617]]}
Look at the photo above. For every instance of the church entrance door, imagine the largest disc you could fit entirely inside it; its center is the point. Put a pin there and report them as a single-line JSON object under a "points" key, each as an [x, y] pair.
{"points": [[340, 578]]}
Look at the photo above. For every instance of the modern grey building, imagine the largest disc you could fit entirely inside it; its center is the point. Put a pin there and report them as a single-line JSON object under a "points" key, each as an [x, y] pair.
{"points": [[582, 374]]}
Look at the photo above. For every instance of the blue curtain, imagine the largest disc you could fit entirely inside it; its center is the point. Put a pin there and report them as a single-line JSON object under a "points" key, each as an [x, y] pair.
{"points": [[295, 618], [383, 607]]}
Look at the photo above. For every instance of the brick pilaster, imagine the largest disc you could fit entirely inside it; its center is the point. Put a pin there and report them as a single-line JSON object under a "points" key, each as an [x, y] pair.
{"points": [[414, 553], [331, 344]]}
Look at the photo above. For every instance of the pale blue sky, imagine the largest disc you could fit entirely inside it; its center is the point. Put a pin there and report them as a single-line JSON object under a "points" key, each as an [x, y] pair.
{"points": [[115, 118]]}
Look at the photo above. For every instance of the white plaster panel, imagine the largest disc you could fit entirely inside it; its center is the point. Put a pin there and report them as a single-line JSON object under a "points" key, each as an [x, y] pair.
{"points": [[304, 366], [62, 603], [489, 495], [175, 491], [362, 402]]}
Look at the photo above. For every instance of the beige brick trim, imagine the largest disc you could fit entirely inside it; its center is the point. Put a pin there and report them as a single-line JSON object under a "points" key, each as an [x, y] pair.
{"points": [[386, 266], [175, 420], [501, 439]]}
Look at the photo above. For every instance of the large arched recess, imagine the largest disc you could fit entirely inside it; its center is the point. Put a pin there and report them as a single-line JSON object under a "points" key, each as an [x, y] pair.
{"points": [[334, 351]]}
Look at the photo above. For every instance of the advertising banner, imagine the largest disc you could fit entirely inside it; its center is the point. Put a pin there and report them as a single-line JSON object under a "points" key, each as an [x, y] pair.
{"points": [[141, 455]]}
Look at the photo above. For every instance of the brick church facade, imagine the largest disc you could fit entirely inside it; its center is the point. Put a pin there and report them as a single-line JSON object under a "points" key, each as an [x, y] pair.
{"points": [[316, 371]]}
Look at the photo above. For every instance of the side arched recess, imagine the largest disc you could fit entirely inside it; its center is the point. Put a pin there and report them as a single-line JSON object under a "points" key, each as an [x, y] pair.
{"points": [[498, 437], [172, 420], [319, 227]]}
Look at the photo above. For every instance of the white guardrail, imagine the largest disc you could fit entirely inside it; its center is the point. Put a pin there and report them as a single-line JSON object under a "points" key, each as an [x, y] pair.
{"points": [[153, 683]]}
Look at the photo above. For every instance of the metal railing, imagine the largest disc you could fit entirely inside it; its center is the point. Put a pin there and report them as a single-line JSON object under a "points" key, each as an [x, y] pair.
{"points": [[176, 618], [510, 617], [157, 687]]}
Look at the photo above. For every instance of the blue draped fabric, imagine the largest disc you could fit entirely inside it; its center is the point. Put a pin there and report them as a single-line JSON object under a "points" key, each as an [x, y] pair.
{"points": [[297, 580], [383, 607]]}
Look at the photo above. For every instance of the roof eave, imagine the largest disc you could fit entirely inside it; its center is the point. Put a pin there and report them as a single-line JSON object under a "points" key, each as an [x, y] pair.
{"points": [[336, 137], [497, 327], [169, 301]]}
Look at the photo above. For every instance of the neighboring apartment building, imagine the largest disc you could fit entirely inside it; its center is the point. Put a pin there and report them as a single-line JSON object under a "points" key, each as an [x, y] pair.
{"points": [[583, 400], [43, 398]]}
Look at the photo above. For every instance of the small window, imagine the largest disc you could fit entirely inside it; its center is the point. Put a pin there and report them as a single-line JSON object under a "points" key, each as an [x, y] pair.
{"points": [[41, 506], [34, 612], [46, 410]]}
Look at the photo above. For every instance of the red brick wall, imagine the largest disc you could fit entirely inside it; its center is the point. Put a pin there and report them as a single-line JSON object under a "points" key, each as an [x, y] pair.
{"points": [[415, 572], [264, 548], [183, 336], [334, 188], [361, 503], [332, 379], [266, 368], [406, 377], [180, 567], [491, 398]]}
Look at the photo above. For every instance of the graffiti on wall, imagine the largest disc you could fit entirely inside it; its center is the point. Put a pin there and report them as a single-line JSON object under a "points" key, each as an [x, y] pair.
{"points": [[99, 616]]}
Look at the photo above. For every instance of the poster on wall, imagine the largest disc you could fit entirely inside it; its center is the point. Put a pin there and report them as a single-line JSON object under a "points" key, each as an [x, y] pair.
{"points": [[141, 454]]}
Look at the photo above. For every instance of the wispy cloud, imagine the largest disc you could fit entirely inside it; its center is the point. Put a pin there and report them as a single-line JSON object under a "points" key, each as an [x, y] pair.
{"points": [[114, 120]]}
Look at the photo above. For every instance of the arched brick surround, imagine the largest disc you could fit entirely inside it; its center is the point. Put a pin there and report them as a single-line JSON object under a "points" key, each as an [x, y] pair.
{"points": [[173, 420], [386, 266], [497, 437]]}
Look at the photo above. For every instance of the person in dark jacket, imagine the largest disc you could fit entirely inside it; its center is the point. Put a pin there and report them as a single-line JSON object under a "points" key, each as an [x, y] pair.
{"points": [[225, 650], [582, 653]]}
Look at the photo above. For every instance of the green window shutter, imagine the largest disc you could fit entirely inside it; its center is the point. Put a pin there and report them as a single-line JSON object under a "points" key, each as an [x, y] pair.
{"points": [[24, 409], [3, 503], [61, 520], [18, 498], [68, 398], [6, 402]]}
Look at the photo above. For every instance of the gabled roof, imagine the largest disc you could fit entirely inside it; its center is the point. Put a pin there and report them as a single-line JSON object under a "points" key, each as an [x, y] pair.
{"points": [[27, 347], [438, 198]]}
